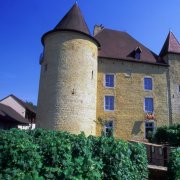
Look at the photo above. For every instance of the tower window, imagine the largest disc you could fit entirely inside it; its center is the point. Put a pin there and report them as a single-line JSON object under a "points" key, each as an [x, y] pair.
{"points": [[109, 103]]}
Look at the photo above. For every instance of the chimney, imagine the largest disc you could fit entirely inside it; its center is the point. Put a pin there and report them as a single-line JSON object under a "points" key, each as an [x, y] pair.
{"points": [[97, 29]]}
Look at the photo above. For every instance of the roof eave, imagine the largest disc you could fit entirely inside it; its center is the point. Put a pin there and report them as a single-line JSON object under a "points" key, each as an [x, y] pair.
{"points": [[69, 30], [135, 61], [169, 52]]}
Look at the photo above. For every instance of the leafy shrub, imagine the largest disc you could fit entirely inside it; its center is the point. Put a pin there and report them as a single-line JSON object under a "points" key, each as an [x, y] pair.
{"points": [[19, 157], [167, 134], [46, 154], [174, 165]]}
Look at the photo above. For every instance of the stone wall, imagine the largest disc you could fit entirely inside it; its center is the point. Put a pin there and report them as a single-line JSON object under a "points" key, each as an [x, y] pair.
{"points": [[68, 83], [174, 77], [129, 115]]}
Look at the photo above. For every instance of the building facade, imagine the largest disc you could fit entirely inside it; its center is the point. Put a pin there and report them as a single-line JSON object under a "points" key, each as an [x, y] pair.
{"points": [[108, 82], [23, 110]]}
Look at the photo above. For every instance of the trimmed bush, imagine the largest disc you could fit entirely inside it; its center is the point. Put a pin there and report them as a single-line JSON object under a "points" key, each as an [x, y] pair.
{"points": [[174, 165], [45, 154]]}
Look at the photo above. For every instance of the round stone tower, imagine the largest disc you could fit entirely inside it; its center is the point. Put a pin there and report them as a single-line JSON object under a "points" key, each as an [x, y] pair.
{"points": [[68, 80]]}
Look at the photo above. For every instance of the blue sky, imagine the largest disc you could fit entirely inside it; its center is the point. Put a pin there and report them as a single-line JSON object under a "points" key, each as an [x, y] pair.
{"points": [[23, 22]]}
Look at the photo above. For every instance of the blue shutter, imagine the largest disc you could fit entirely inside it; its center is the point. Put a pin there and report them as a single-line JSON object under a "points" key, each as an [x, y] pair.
{"points": [[148, 83], [109, 102], [109, 80], [149, 105]]}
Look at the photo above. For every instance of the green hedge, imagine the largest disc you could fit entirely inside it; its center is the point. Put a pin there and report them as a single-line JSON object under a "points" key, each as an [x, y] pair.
{"points": [[167, 134], [44, 154], [174, 164]]}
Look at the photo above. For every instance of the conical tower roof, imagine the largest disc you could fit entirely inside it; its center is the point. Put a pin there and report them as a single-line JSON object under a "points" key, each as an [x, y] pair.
{"points": [[73, 20], [171, 45]]}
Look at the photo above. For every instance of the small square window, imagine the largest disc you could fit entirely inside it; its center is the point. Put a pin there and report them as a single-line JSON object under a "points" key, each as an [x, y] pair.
{"points": [[109, 103], [147, 83], [108, 128], [109, 80], [148, 104]]}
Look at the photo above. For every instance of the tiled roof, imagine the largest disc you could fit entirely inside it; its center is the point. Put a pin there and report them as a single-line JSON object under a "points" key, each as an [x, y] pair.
{"points": [[73, 20], [120, 45], [171, 45], [7, 114]]}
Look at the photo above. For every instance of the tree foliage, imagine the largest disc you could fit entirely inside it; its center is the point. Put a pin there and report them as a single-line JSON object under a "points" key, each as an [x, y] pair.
{"points": [[167, 134], [174, 164]]}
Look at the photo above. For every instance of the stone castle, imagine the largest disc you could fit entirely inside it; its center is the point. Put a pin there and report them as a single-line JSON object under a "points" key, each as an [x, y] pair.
{"points": [[106, 82]]}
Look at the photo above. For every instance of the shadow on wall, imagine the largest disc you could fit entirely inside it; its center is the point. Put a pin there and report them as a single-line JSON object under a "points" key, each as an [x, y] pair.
{"points": [[137, 127]]}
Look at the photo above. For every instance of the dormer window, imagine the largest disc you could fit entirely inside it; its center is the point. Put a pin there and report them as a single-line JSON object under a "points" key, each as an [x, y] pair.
{"points": [[137, 53]]}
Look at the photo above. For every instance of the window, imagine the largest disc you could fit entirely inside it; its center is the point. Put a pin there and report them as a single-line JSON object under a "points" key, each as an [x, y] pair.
{"points": [[179, 89], [109, 80], [137, 55], [147, 83], [149, 128], [148, 104], [109, 103], [108, 128]]}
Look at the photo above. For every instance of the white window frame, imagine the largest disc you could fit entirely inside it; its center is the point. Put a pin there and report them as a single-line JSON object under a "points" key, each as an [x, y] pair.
{"points": [[144, 83], [105, 103], [114, 80], [145, 105]]}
